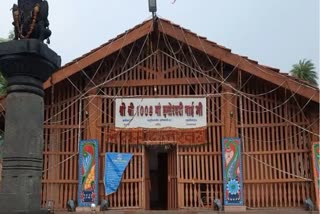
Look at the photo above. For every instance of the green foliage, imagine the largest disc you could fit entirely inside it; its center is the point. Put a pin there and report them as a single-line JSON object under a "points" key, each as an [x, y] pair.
{"points": [[305, 70], [3, 82], [3, 85]]}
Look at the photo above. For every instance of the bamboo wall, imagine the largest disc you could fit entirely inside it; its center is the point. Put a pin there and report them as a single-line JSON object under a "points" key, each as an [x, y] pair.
{"points": [[130, 192], [61, 129], [199, 168], [195, 172], [272, 142]]}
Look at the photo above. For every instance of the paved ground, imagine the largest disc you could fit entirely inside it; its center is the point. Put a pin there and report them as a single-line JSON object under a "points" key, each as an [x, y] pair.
{"points": [[255, 211]]}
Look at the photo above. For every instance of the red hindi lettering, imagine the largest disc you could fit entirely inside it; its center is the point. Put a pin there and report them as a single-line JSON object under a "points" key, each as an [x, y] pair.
{"points": [[199, 109], [178, 109], [157, 109], [122, 109], [168, 110], [131, 109], [189, 110]]}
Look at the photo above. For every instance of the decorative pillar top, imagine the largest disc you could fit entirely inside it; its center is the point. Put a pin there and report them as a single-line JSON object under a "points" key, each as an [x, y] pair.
{"points": [[28, 57], [30, 20]]}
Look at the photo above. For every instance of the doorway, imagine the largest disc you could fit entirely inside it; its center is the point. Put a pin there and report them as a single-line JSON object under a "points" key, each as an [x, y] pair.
{"points": [[158, 169], [161, 177]]}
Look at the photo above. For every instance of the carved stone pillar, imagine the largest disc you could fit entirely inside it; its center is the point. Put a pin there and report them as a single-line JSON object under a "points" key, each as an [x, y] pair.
{"points": [[26, 64]]}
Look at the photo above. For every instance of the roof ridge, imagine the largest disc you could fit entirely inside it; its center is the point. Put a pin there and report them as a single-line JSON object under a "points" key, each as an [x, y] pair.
{"points": [[176, 31]]}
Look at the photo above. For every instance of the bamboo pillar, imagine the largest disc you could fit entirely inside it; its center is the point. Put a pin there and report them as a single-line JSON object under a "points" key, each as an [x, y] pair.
{"points": [[315, 152], [229, 111], [315, 127], [315, 164], [93, 116], [229, 119]]}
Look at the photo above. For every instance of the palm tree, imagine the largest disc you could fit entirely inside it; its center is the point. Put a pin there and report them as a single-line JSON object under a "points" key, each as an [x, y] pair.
{"points": [[305, 70]]}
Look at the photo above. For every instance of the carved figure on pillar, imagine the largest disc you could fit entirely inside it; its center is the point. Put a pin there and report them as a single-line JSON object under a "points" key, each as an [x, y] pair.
{"points": [[30, 20]]}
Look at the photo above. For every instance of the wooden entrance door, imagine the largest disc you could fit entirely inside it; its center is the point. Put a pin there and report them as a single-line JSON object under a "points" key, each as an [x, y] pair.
{"points": [[172, 179]]}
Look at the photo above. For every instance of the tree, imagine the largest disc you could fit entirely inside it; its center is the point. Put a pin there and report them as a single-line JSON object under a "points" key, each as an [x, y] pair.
{"points": [[3, 81], [11, 35], [305, 70], [3, 85]]}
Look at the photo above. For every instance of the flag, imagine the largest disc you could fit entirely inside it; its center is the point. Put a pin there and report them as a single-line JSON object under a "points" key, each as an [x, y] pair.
{"points": [[115, 164]]}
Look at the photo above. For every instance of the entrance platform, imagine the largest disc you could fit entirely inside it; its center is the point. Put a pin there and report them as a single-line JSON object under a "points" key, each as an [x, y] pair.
{"points": [[255, 211]]}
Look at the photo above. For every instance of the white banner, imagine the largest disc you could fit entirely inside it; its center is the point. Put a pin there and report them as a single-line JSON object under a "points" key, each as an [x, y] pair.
{"points": [[157, 113]]}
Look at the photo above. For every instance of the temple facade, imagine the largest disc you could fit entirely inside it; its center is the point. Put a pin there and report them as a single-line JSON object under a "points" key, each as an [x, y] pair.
{"points": [[271, 118]]}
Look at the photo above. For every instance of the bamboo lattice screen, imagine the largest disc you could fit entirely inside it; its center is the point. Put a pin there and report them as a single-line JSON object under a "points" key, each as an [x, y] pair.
{"points": [[268, 141]]}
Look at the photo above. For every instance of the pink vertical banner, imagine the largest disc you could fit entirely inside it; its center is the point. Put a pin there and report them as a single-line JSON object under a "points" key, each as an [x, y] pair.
{"points": [[316, 171]]}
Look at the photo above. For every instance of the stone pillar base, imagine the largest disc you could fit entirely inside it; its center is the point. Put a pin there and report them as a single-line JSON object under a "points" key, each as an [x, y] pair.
{"points": [[87, 209], [235, 208]]}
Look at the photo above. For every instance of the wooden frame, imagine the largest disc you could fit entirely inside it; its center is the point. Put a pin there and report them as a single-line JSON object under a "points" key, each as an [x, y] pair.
{"points": [[274, 150]]}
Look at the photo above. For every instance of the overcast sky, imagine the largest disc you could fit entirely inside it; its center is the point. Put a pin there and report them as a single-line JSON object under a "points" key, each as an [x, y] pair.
{"points": [[274, 32]]}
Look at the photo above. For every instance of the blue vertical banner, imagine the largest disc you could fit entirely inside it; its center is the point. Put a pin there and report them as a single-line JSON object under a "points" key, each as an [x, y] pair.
{"points": [[115, 164], [88, 173], [232, 171]]}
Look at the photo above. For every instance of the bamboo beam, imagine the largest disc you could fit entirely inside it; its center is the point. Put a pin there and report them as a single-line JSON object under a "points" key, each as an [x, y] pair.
{"points": [[262, 125], [159, 82], [100, 53]]}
